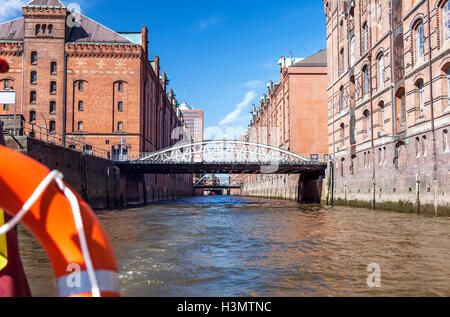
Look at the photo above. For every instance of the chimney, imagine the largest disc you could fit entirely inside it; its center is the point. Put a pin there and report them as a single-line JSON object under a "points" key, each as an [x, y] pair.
{"points": [[144, 35], [164, 81], [157, 66], [171, 96]]}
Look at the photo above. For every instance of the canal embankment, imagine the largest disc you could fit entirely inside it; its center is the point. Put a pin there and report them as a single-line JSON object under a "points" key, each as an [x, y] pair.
{"points": [[98, 180]]}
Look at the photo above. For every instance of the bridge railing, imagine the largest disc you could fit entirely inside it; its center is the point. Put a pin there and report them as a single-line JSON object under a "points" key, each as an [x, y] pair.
{"points": [[43, 134]]}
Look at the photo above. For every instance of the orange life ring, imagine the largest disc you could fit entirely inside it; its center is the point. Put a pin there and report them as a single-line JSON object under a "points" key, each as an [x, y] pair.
{"points": [[51, 221]]}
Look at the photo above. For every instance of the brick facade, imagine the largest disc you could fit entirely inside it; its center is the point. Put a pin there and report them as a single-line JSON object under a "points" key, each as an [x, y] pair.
{"points": [[388, 104], [293, 117]]}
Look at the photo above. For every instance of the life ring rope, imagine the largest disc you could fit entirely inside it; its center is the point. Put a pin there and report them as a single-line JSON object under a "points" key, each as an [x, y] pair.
{"points": [[56, 176]]}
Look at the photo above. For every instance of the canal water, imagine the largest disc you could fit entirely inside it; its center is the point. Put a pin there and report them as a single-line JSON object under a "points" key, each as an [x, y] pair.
{"points": [[230, 246]]}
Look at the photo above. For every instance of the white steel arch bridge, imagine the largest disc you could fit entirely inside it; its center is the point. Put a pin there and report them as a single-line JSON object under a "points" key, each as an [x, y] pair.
{"points": [[221, 157]]}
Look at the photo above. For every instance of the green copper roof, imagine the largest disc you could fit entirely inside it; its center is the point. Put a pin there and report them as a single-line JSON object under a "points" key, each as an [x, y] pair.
{"points": [[134, 37]]}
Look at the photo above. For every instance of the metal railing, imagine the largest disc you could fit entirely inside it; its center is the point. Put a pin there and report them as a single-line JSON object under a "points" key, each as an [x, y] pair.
{"points": [[43, 134]]}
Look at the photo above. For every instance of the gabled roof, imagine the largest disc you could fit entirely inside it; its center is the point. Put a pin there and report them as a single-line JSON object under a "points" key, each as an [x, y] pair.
{"points": [[49, 3], [93, 32], [317, 60], [88, 32], [12, 30]]}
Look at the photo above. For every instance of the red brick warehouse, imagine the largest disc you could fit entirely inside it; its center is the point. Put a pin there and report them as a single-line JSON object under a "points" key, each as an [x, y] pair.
{"points": [[76, 78]]}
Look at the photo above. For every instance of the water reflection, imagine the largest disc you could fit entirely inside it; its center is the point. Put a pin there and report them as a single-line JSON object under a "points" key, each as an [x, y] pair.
{"points": [[230, 246]]}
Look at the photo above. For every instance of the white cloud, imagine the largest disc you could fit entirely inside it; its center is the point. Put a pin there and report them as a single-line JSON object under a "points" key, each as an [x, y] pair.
{"points": [[253, 84], [234, 115], [207, 23], [10, 8]]}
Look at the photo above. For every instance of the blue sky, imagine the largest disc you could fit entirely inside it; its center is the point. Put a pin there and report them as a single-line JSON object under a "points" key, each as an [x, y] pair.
{"points": [[224, 51]]}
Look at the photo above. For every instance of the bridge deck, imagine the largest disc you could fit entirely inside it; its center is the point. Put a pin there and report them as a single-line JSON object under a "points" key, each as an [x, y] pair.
{"points": [[222, 168]]}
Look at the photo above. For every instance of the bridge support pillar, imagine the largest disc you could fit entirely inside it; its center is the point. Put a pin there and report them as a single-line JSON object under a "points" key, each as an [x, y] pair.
{"points": [[310, 188]]}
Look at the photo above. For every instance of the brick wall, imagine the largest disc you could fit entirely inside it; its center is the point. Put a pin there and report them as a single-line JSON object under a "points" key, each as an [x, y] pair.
{"points": [[398, 131]]}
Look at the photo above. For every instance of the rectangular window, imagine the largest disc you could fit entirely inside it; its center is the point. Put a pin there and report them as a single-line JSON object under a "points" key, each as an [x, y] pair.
{"points": [[81, 86], [5, 107], [120, 86], [53, 68], [33, 78], [52, 107], [6, 85], [53, 87], [32, 117], [32, 97], [120, 106], [34, 58], [119, 126], [52, 126], [80, 106]]}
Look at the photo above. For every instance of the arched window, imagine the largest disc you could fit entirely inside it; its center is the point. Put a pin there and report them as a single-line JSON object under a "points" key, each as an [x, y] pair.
{"points": [[445, 144], [421, 98], [50, 29], [448, 84], [400, 159], [367, 123], [417, 147], [381, 69], [419, 43], [424, 146], [365, 37], [342, 61], [446, 20], [342, 135], [352, 51], [44, 28], [342, 97], [378, 13], [366, 80], [38, 29], [381, 115]]}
